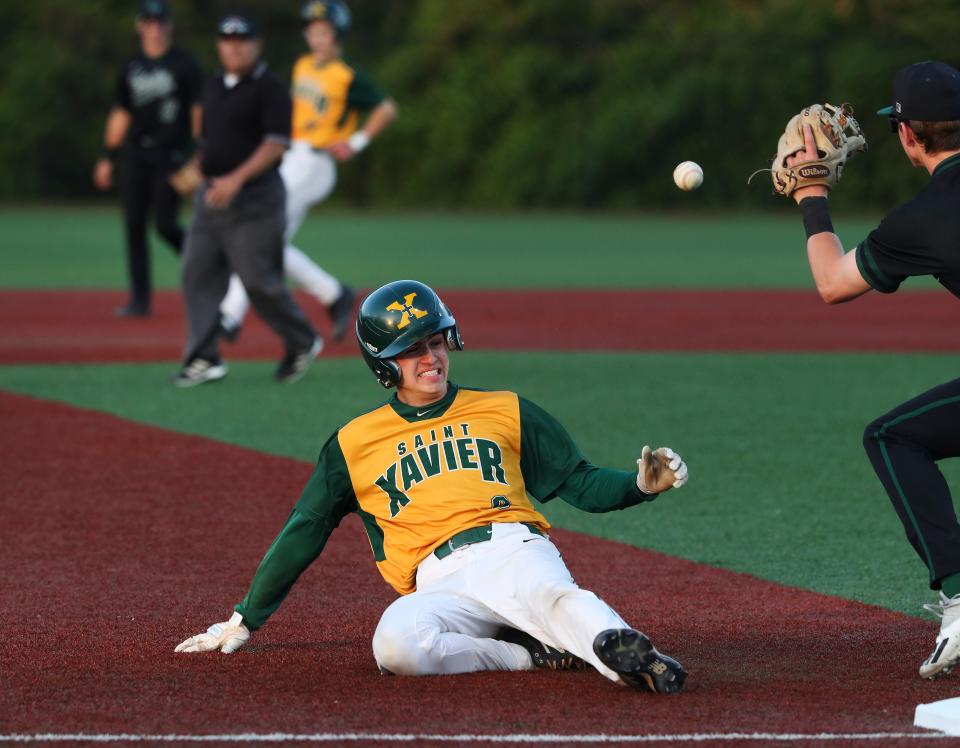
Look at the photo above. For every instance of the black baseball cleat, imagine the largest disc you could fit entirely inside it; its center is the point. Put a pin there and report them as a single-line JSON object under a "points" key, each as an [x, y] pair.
{"points": [[542, 655], [341, 312], [132, 310], [631, 656]]}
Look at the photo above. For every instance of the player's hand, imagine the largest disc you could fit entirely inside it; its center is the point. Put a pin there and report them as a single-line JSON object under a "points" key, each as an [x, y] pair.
{"points": [[103, 174], [222, 190], [227, 636], [341, 150], [809, 153], [660, 470]]}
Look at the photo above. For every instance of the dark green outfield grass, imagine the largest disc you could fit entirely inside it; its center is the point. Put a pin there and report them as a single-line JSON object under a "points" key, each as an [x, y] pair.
{"points": [[83, 248], [780, 486]]}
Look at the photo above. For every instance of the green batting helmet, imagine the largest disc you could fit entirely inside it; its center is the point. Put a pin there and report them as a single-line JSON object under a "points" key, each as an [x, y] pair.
{"points": [[397, 316], [335, 12]]}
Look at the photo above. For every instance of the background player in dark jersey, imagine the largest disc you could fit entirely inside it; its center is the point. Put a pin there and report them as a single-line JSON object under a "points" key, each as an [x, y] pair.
{"points": [[920, 237], [155, 115]]}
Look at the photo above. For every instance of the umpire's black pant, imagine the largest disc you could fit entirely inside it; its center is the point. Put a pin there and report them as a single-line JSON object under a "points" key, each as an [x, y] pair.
{"points": [[245, 238], [904, 446], [145, 183]]}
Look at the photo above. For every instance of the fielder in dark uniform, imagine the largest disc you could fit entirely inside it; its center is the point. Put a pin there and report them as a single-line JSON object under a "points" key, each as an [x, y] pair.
{"points": [[920, 237], [240, 211], [440, 475], [156, 114]]}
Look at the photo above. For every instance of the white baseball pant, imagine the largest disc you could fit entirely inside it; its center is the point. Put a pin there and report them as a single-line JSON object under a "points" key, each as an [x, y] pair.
{"points": [[309, 177], [516, 579]]}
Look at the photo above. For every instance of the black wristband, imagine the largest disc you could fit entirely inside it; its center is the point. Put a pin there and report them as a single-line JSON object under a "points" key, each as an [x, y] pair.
{"points": [[816, 216], [111, 154]]}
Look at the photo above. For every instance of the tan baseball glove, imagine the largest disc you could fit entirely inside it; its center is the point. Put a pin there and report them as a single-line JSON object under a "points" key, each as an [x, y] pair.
{"points": [[187, 178], [658, 470], [838, 138]]}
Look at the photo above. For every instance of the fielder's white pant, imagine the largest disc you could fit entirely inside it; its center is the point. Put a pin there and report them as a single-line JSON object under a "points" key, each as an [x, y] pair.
{"points": [[516, 579], [309, 177]]}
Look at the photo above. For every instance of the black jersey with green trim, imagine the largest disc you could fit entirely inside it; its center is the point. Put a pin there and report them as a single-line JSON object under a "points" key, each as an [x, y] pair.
{"points": [[920, 237]]}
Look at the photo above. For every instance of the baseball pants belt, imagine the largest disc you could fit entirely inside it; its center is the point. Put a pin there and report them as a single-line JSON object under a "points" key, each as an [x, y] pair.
{"points": [[475, 535]]}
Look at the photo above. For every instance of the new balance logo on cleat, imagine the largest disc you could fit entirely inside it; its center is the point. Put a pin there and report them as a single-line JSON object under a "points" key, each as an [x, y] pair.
{"points": [[631, 656]]}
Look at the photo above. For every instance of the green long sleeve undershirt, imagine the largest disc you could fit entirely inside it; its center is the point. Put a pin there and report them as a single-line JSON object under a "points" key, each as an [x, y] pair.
{"points": [[551, 465]]}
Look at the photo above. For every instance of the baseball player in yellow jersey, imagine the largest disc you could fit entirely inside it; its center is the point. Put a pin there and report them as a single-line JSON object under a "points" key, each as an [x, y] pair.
{"points": [[440, 475], [328, 98]]}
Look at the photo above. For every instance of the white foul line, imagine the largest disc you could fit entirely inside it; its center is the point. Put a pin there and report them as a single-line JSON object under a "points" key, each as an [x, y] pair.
{"points": [[329, 737]]}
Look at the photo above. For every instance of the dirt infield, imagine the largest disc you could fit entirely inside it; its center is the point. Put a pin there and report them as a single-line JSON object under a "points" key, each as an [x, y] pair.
{"points": [[111, 556], [63, 326]]}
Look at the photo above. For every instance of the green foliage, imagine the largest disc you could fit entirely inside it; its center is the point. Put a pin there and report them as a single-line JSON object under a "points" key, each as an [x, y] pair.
{"points": [[518, 103]]}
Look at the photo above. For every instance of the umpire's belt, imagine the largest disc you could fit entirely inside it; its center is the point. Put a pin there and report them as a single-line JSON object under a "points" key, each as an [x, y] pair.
{"points": [[474, 535]]}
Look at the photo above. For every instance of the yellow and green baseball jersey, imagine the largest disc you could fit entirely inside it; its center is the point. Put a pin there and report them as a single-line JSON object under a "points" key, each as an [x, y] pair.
{"points": [[327, 98], [424, 481], [417, 476]]}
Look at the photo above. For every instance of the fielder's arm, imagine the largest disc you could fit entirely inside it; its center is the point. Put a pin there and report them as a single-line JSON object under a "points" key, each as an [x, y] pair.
{"points": [[115, 132], [835, 272], [379, 119]]}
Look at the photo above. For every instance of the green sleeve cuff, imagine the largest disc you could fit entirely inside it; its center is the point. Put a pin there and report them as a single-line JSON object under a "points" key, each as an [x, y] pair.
{"points": [[871, 272]]}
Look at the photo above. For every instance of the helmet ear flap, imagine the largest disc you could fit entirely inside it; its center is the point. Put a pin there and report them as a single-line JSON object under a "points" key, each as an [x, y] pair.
{"points": [[387, 370], [452, 336]]}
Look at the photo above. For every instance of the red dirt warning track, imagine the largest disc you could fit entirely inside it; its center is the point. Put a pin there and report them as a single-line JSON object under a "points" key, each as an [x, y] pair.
{"points": [[69, 326], [111, 556]]}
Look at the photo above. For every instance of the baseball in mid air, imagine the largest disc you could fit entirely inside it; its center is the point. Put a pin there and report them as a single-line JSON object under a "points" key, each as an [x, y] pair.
{"points": [[688, 175]]}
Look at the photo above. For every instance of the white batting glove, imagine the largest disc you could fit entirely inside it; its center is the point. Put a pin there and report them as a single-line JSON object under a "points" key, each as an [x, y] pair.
{"points": [[660, 470], [227, 636]]}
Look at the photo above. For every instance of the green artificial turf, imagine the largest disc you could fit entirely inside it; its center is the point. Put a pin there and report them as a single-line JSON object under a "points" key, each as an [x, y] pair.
{"points": [[780, 486], [83, 248]]}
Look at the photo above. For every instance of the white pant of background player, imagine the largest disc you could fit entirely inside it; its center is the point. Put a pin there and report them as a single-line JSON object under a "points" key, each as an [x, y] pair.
{"points": [[515, 579], [309, 177]]}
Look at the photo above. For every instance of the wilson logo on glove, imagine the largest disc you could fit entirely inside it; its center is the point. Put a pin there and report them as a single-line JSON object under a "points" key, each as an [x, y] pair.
{"points": [[813, 171]]}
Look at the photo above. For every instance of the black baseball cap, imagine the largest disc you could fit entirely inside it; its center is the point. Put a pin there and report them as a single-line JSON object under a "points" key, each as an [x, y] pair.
{"points": [[925, 91], [154, 9], [237, 25]]}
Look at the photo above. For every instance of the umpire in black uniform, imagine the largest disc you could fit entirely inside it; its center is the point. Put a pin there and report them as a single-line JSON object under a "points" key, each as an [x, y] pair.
{"points": [[240, 212], [156, 113], [920, 237]]}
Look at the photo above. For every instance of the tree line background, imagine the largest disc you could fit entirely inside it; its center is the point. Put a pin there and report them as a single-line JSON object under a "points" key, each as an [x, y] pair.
{"points": [[515, 104]]}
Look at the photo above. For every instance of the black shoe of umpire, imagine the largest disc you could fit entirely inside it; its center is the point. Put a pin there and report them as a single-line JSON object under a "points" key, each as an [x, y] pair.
{"points": [[294, 364], [341, 312], [631, 656], [542, 655]]}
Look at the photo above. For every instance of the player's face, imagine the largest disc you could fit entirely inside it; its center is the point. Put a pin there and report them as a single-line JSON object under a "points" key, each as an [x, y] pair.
{"points": [[424, 368], [322, 40], [238, 54], [154, 31]]}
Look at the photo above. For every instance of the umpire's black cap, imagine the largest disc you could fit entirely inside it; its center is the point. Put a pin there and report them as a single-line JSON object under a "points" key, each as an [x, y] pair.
{"points": [[158, 9], [925, 91], [237, 25]]}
